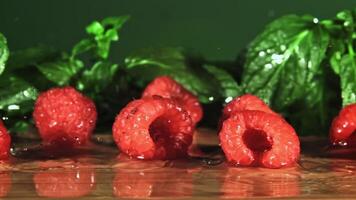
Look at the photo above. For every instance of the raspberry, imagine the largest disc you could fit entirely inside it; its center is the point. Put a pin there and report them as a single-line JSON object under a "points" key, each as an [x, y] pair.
{"points": [[256, 138], [167, 87], [245, 102], [153, 128], [5, 141], [64, 116], [73, 182], [343, 127]]}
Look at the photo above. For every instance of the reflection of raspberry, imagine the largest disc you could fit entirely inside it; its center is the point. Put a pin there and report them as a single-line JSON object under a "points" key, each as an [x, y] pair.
{"points": [[132, 184], [153, 128], [344, 126], [241, 183], [245, 102], [64, 116], [5, 183], [256, 138], [167, 87], [146, 183], [73, 182], [5, 141]]}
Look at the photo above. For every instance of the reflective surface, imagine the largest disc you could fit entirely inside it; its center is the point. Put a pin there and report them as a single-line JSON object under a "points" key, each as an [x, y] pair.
{"points": [[100, 172]]}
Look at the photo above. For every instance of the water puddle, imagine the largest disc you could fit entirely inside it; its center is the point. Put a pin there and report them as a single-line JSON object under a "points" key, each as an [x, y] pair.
{"points": [[98, 171]]}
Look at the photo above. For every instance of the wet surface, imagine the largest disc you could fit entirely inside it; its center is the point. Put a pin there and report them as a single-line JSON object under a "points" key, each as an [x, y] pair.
{"points": [[98, 171]]}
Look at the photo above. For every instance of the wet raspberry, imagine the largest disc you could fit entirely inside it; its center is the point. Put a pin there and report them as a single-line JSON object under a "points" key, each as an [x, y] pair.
{"points": [[64, 116], [343, 127], [167, 87], [5, 141], [153, 128], [256, 138], [245, 102]]}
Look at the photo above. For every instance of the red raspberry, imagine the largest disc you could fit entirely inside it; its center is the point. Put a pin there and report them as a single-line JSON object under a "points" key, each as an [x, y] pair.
{"points": [[73, 182], [256, 138], [245, 102], [343, 127], [167, 87], [5, 141], [64, 116], [153, 128]]}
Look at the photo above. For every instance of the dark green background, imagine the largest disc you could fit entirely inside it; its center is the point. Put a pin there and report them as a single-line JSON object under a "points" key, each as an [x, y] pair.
{"points": [[217, 29]]}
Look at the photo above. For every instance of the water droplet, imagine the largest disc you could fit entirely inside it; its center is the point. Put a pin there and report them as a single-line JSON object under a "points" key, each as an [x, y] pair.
{"points": [[80, 125], [283, 47], [228, 99], [315, 20], [342, 143], [268, 66], [13, 107], [277, 58], [141, 157], [261, 53], [26, 93], [52, 123], [344, 125], [309, 64]]}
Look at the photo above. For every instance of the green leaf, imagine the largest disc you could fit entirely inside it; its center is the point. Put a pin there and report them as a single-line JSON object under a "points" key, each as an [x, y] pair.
{"points": [[98, 77], [347, 21], [228, 85], [14, 91], [60, 72], [4, 53], [282, 61], [82, 46], [31, 57], [347, 72], [115, 22], [147, 64], [95, 28], [103, 33]]}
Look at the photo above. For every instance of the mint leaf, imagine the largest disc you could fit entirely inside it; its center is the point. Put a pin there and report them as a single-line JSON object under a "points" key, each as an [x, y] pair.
{"points": [[343, 58], [4, 53], [14, 92], [346, 66], [228, 85], [282, 61], [95, 28], [150, 63], [103, 33], [97, 78], [31, 56], [81, 47], [60, 72]]}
